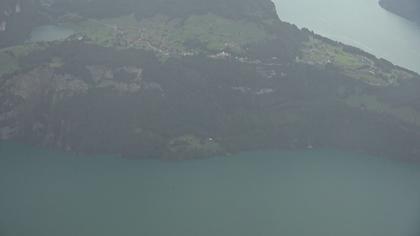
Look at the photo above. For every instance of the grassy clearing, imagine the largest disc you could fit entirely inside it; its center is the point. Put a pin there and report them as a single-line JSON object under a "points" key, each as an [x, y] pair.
{"points": [[170, 35], [318, 52], [220, 33], [94, 30]]}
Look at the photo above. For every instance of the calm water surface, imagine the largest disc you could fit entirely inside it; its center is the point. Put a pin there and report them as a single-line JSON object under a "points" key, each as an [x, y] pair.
{"points": [[49, 33], [315, 193], [362, 23]]}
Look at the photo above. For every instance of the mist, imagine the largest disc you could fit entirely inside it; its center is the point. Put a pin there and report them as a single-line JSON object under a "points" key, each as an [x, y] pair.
{"points": [[224, 117]]}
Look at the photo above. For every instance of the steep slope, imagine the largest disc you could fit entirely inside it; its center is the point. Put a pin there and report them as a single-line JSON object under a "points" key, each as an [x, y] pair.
{"points": [[193, 80], [409, 9]]}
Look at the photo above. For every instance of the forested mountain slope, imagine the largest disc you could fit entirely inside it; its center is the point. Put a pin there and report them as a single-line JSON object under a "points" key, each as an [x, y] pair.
{"points": [[181, 79]]}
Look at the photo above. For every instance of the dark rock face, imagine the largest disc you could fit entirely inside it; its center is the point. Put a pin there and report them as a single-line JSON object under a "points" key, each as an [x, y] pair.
{"points": [[409, 9]]}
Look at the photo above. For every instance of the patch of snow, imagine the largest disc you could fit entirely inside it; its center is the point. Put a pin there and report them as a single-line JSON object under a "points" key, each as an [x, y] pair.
{"points": [[3, 26], [18, 8]]}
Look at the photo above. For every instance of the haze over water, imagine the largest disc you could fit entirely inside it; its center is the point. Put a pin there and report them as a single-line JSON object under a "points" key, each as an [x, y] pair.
{"points": [[361, 23], [317, 193]]}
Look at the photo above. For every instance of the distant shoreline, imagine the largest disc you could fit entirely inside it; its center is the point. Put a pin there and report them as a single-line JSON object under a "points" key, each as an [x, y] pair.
{"points": [[408, 9]]}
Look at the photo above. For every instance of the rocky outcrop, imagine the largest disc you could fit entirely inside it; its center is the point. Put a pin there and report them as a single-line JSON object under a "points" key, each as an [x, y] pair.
{"points": [[29, 98]]}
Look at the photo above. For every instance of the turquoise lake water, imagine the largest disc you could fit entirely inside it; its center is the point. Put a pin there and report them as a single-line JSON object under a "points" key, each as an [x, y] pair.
{"points": [[361, 23], [49, 33], [317, 193]]}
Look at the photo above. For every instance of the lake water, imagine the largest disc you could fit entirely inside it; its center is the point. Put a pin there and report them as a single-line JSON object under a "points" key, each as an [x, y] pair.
{"points": [[361, 23], [49, 33], [317, 193]]}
